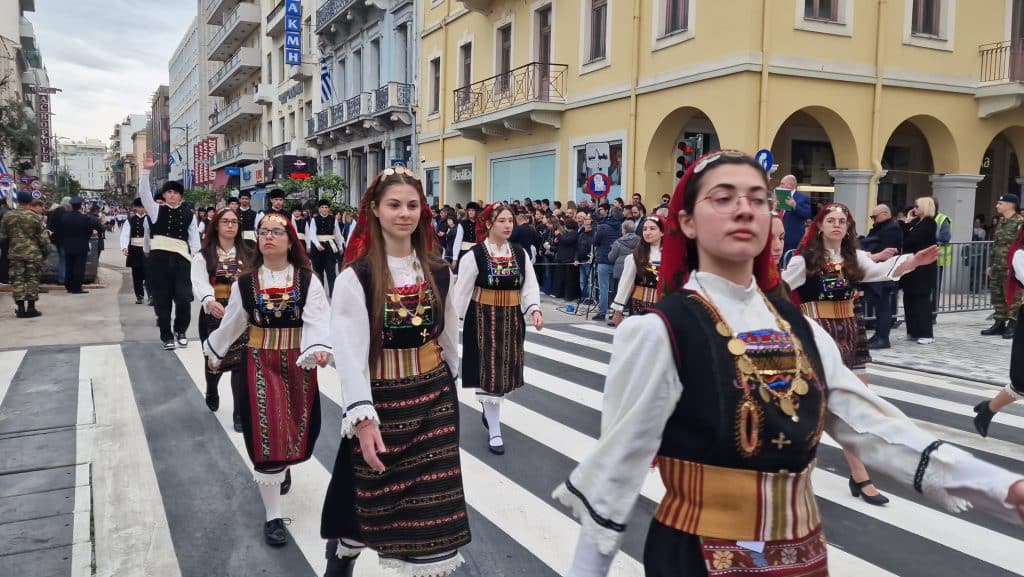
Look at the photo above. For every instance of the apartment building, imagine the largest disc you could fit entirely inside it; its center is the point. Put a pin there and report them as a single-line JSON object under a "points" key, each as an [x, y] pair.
{"points": [[84, 161], [868, 101], [287, 92], [236, 46], [189, 103], [121, 153], [364, 118], [158, 138], [23, 78]]}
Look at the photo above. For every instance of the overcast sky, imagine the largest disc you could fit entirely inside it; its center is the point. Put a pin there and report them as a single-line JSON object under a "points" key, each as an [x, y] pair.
{"points": [[107, 56]]}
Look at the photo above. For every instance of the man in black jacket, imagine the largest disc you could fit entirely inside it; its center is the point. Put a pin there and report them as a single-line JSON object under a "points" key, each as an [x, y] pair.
{"points": [[77, 228], [607, 233], [881, 296]]}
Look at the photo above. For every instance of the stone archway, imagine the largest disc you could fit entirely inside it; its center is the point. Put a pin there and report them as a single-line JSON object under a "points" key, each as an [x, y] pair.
{"points": [[659, 164], [1001, 164], [808, 126]]}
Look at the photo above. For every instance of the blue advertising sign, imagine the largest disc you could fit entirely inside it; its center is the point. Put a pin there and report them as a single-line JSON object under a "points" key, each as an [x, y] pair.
{"points": [[293, 32], [232, 171]]}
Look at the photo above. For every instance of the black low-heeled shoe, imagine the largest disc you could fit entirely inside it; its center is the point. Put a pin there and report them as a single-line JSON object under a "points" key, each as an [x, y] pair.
{"points": [[856, 491], [286, 485], [275, 533], [212, 402], [984, 417], [496, 449]]}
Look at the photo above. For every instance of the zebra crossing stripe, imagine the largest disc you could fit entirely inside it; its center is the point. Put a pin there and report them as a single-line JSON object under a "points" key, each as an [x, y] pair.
{"points": [[9, 363], [131, 533]]}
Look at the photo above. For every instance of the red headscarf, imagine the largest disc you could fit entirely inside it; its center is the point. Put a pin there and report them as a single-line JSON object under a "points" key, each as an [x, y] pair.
{"points": [[675, 247], [360, 243], [813, 230], [484, 217]]}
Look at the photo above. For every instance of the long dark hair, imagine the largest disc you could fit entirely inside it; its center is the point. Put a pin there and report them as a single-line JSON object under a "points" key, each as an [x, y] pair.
{"points": [[375, 257], [296, 252], [813, 247], [211, 241], [642, 253]]}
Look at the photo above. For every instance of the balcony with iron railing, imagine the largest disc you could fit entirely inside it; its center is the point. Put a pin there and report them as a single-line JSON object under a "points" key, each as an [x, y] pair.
{"points": [[241, 153], [512, 101], [236, 69], [234, 115], [330, 11], [391, 96], [237, 26], [358, 107], [1001, 76], [216, 9], [311, 127], [337, 114], [283, 148]]}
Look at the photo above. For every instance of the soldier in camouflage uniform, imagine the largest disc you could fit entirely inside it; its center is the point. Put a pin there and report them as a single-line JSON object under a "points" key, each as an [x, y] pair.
{"points": [[30, 245], [998, 270]]}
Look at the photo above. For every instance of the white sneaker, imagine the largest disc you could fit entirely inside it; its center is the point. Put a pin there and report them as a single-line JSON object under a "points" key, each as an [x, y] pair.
{"points": [[925, 341], [182, 340]]}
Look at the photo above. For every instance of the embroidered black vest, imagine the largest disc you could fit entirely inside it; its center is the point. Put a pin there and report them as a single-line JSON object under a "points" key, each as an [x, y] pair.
{"points": [[468, 231], [399, 331], [647, 277], [500, 273], [246, 219], [225, 271], [137, 226], [275, 311], [173, 222], [300, 227], [706, 426], [324, 225], [828, 285]]}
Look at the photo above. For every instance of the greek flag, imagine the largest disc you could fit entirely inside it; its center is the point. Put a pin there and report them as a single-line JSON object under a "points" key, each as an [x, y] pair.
{"points": [[326, 88], [3, 167]]}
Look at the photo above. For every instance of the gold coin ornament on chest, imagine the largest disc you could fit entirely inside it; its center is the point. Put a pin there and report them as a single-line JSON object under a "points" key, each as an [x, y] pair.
{"points": [[417, 321], [723, 329], [800, 386], [403, 313], [765, 395], [786, 404], [746, 366], [737, 347], [277, 314]]}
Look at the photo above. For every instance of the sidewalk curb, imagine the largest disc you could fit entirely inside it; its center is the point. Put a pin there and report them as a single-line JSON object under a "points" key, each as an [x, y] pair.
{"points": [[939, 373]]}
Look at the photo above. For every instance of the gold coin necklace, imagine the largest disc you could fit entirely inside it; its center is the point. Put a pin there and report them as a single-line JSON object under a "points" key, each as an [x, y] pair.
{"points": [[788, 400], [417, 312]]}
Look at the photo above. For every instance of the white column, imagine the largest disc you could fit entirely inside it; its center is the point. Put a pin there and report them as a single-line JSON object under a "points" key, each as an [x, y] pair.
{"points": [[955, 194], [851, 189]]}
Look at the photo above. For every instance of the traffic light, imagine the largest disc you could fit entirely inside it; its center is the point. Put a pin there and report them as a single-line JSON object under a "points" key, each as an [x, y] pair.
{"points": [[689, 150]]}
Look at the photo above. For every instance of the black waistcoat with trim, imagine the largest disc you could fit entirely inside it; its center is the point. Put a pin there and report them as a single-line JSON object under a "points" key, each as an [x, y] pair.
{"points": [[261, 317], [705, 425], [398, 331]]}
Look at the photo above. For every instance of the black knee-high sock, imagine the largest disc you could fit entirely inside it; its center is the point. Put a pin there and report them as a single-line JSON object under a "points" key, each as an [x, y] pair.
{"points": [[211, 383], [237, 382]]}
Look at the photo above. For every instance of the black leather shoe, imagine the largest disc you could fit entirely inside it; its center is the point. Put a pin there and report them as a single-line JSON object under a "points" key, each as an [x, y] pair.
{"points": [[498, 449], [984, 417], [274, 533], [879, 344], [238, 423], [1011, 327], [286, 485], [338, 566], [856, 491], [997, 328], [138, 300], [213, 402]]}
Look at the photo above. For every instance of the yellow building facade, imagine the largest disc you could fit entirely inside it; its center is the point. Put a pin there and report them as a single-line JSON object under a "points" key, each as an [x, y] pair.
{"points": [[869, 101]]}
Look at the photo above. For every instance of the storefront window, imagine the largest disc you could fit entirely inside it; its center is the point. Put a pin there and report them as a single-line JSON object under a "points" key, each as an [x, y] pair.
{"points": [[530, 176], [432, 180]]}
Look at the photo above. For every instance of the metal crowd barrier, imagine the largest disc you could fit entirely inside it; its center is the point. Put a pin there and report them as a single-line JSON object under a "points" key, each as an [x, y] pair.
{"points": [[962, 281]]}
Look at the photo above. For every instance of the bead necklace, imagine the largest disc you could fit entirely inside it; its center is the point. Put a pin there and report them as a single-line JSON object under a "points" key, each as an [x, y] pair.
{"points": [[417, 312]]}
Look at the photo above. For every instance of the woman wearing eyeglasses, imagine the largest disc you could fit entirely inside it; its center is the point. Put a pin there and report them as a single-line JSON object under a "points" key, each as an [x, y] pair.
{"points": [[283, 305], [396, 486], [824, 274], [638, 287], [214, 269], [736, 390]]}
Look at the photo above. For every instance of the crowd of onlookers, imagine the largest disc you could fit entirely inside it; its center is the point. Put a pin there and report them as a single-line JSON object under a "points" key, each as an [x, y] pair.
{"points": [[578, 247]]}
